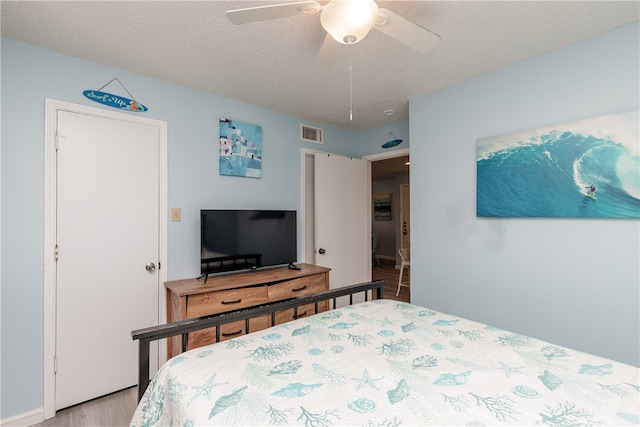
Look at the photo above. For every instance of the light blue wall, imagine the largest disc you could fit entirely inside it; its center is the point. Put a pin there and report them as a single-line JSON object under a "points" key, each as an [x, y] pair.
{"points": [[29, 75], [574, 282]]}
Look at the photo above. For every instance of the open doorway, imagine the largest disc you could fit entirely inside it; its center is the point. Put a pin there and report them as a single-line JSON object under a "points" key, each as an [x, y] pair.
{"points": [[390, 220]]}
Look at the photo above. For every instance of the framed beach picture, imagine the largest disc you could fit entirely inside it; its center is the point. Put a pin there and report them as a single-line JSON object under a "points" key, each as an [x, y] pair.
{"points": [[584, 169], [382, 207], [240, 149]]}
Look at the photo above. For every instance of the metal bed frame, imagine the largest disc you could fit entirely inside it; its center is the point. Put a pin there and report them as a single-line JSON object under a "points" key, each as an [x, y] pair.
{"points": [[184, 327]]}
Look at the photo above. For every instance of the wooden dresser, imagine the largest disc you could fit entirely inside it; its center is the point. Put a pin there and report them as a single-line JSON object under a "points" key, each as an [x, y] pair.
{"points": [[194, 298]]}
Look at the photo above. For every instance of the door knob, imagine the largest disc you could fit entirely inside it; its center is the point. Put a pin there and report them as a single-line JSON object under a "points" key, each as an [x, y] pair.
{"points": [[321, 251], [150, 267]]}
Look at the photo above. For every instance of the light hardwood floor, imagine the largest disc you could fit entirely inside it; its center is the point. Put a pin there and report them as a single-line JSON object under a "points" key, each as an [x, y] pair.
{"points": [[116, 409], [113, 410], [387, 271]]}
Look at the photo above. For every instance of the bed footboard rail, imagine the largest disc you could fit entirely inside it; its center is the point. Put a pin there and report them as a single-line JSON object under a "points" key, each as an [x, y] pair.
{"points": [[183, 327]]}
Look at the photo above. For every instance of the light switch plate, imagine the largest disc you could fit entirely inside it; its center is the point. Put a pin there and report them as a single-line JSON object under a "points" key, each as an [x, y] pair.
{"points": [[175, 214]]}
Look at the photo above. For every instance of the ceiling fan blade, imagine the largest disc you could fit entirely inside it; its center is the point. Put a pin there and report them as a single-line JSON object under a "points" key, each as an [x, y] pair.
{"points": [[328, 53], [405, 31], [273, 11]]}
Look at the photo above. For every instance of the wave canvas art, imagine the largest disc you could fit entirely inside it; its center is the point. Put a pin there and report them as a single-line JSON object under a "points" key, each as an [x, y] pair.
{"points": [[584, 169]]}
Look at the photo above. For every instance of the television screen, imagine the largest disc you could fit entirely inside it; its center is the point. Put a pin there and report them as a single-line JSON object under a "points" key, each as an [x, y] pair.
{"points": [[246, 239]]}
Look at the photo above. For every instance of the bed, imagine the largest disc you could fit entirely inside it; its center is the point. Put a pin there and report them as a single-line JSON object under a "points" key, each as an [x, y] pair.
{"points": [[387, 363]]}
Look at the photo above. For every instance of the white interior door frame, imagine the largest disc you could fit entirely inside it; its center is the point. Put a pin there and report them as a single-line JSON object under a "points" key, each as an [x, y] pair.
{"points": [[387, 155], [52, 107], [405, 216], [304, 206]]}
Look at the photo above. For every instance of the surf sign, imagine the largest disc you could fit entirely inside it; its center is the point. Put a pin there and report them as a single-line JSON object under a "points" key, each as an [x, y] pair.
{"points": [[115, 101], [392, 141]]}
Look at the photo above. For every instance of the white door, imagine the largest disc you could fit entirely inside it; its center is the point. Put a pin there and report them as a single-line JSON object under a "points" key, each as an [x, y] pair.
{"points": [[343, 218], [107, 233], [405, 218]]}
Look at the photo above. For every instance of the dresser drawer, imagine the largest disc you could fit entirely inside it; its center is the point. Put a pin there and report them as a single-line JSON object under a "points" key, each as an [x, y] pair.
{"points": [[293, 288], [228, 331], [222, 301], [303, 311]]}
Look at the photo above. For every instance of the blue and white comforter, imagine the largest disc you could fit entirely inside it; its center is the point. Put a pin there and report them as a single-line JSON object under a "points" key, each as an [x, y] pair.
{"points": [[385, 363]]}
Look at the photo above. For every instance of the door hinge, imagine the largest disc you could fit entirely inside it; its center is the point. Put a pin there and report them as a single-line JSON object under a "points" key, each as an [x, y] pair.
{"points": [[56, 141], [56, 253], [55, 365], [159, 265]]}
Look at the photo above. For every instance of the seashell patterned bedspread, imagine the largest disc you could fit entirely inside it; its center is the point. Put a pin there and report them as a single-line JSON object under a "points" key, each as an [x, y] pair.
{"points": [[386, 363]]}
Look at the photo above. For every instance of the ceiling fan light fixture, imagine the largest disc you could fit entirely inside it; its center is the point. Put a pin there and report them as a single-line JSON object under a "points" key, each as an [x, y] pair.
{"points": [[349, 21]]}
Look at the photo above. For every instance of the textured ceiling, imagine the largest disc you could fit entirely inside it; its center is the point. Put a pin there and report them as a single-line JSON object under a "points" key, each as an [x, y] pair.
{"points": [[271, 64]]}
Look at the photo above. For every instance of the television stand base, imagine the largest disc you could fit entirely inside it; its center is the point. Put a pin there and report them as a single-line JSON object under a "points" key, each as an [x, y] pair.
{"points": [[292, 266]]}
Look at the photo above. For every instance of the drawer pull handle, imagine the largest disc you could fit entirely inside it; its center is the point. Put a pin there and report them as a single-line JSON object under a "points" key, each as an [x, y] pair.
{"points": [[232, 302], [299, 289], [230, 334], [304, 313]]}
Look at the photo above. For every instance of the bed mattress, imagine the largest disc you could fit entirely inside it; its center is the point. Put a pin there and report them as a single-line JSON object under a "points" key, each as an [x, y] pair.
{"points": [[389, 363]]}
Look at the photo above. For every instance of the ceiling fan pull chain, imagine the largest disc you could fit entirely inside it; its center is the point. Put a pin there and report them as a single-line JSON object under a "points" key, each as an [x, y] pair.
{"points": [[350, 86]]}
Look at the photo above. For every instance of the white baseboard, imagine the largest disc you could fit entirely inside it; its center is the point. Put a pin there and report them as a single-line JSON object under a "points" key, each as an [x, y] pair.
{"points": [[25, 419]]}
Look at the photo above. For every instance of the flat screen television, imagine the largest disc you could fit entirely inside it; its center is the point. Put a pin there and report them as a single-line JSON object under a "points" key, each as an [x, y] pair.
{"points": [[246, 239]]}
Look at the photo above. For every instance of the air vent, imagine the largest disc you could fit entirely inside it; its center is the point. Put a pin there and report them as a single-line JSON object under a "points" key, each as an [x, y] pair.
{"points": [[311, 134]]}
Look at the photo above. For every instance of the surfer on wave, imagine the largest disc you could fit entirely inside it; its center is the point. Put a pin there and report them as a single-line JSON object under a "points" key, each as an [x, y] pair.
{"points": [[591, 190]]}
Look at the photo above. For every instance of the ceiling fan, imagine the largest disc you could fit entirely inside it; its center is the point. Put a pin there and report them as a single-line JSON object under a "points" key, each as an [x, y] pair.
{"points": [[346, 22]]}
